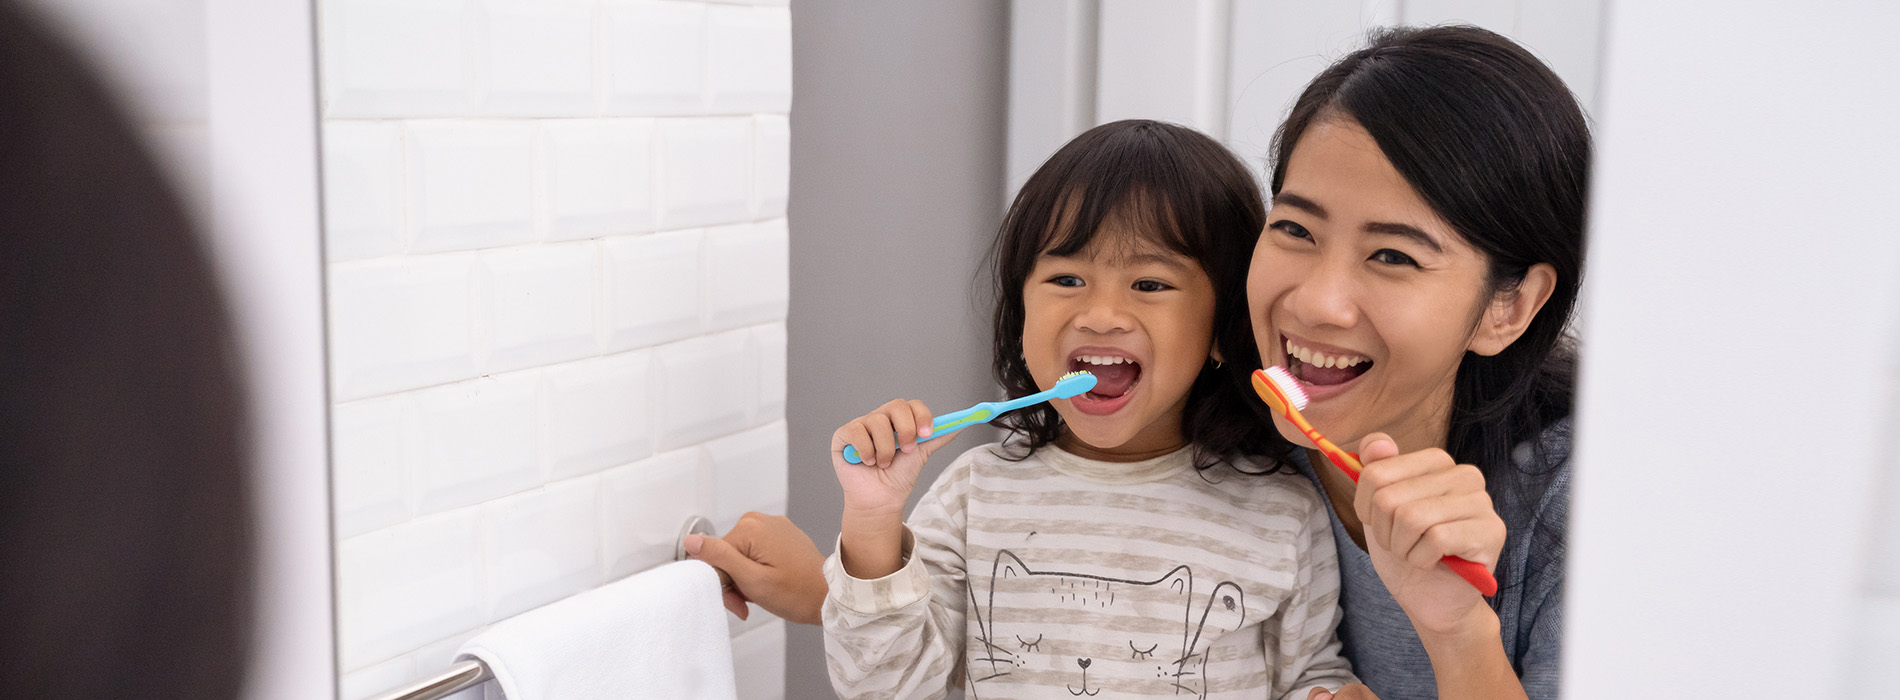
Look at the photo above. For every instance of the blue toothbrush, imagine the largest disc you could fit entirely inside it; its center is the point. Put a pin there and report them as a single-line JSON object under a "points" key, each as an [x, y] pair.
{"points": [[1070, 385]]}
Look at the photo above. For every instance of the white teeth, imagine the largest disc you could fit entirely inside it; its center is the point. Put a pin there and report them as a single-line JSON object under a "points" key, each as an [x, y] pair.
{"points": [[1102, 359], [1318, 359]]}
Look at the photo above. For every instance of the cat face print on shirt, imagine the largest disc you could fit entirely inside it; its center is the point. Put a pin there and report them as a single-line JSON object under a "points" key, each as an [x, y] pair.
{"points": [[1092, 634]]}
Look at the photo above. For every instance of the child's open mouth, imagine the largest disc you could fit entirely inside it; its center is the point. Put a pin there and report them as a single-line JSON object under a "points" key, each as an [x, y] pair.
{"points": [[1318, 368], [1115, 380]]}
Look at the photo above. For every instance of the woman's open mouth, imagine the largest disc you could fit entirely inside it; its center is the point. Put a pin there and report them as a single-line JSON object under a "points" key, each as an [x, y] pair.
{"points": [[1319, 369], [1116, 376]]}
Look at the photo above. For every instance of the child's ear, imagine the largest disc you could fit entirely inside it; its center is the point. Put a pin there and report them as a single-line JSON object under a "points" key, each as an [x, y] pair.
{"points": [[1511, 312]]}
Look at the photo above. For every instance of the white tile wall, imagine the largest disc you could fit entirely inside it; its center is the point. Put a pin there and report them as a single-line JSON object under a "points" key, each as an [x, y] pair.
{"points": [[758, 659], [403, 587], [399, 323], [470, 184], [638, 530], [654, 288], [772, 173], [656, 57], [366, 463], [362, 187], [748, 473], [539, 57], [704, 386], [557, 300], [705, 168], [599, 177], [747, 273], [542, 546], [542, 304], [476, 441], [598, 413], [749, 59]]}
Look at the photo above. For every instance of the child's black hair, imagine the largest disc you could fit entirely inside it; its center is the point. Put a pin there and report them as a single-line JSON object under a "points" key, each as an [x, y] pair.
{"points": [[1191, 196]]}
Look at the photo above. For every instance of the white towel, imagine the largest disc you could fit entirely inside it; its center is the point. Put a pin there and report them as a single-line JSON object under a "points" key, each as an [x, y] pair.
{"points": [[658, 634]]}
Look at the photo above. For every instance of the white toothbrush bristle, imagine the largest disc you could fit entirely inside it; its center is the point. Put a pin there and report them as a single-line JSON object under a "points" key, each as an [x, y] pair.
{"points": [[1289, 386]]}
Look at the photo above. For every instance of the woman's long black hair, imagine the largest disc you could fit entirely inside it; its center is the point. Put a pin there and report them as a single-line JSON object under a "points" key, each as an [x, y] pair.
{"points": [[1497, 145], [1196, 199]]}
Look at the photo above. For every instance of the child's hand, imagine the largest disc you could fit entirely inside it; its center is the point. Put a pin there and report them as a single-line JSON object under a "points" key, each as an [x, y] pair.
{"points": [[887, 440], [871, 539]]}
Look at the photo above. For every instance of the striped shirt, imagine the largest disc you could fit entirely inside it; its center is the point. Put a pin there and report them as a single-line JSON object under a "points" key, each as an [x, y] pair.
{"points": [[1058, 576]]}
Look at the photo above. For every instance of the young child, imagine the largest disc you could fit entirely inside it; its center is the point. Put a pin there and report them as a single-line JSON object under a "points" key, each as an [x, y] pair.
{"points": [[1123, 541]]}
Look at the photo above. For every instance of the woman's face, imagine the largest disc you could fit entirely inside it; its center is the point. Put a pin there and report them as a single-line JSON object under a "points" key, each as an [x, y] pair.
{"points": [[1365, 294]]}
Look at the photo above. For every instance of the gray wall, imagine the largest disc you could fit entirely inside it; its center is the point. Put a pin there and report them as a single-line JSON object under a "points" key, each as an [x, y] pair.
{"points": [[896, 188]]}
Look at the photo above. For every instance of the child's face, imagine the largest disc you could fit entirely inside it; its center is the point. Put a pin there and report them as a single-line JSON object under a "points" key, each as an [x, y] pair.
{"points": [[1141, 318], [1355, 266]]}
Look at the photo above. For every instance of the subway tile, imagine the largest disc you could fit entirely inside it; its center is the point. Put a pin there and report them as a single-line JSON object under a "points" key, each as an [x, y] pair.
{"points": [[704, 388], [773, 166], [749, 59], [748, 473], [656, 57], [362, 190], [469, 184], [438, 656], [476, 441], [395, 58], [402, 587], [399, 323], [758, 663], [643, 506], [377, 679], [653, 288], [748, 274], [540, 58], [597, 413], [540, 304], [768, 345], [541, 546], [368, 441], [704, 171], [599, 177]]}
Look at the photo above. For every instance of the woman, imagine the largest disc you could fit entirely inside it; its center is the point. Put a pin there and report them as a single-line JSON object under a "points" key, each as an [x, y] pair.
{"points": [[1420, 263]]}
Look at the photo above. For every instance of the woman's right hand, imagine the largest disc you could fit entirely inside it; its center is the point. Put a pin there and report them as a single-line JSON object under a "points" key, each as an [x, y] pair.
{"points": [[766, 559]]}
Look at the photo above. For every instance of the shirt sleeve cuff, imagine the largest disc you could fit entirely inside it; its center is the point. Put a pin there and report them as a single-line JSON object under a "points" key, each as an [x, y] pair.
{"points": [[905, 586]]}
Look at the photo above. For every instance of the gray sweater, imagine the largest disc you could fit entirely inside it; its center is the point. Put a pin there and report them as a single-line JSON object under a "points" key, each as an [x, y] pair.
{"points": [[1534, 501]]}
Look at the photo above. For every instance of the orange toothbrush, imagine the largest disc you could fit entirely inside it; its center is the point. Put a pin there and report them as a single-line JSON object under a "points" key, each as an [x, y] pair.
{"points": [[1278, 388]]}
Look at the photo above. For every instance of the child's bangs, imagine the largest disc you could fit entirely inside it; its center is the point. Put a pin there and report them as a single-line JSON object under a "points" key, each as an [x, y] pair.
{"points": [[1118, 223]]}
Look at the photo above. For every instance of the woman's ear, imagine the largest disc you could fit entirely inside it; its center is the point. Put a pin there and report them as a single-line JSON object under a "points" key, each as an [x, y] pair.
{"points": [[1511, 312]]}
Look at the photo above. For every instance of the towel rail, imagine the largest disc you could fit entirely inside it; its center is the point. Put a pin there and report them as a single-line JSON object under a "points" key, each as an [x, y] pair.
{"points": [[471, 673], [460, 677]]}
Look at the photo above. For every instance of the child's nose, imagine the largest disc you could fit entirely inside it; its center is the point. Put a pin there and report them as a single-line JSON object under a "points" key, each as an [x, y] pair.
{"points": [[1104, 314]]}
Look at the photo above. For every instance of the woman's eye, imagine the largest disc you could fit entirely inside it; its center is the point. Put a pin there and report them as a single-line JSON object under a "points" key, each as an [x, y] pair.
{"points": [[1292, 229], [1066, 281], [1151, 286], [1393, 257]]}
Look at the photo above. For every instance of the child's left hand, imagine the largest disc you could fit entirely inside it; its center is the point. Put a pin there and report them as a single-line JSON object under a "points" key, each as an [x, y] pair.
{"points": [[1418, 508]]}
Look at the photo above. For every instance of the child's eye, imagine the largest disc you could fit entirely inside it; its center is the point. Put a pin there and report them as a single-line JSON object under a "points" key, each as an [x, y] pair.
{"points": [[1151, 286], [1066, 281], [1291, 229], [1393, 257]]}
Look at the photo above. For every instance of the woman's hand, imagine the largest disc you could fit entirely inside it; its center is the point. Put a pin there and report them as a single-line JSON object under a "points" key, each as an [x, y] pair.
{"points": [[871, 535], [765, 559], [1418, 508]]}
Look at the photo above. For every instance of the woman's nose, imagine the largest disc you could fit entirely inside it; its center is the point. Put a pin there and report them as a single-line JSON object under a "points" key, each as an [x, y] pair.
{"points": [[1323, 298]]}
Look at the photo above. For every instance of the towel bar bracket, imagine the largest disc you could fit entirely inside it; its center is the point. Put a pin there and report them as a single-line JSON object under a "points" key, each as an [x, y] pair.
{"points": [[695, 525]]}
